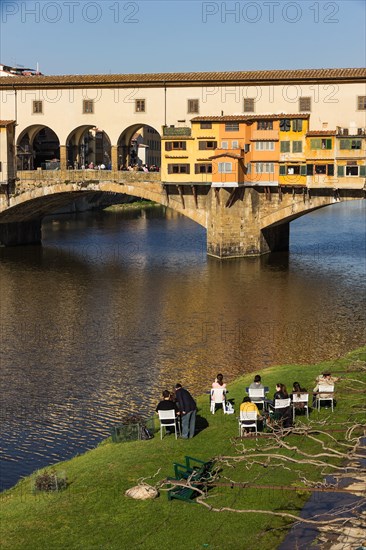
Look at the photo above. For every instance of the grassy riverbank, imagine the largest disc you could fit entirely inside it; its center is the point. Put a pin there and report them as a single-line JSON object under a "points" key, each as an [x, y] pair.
{"points": [[93, 513], [131, 206]]}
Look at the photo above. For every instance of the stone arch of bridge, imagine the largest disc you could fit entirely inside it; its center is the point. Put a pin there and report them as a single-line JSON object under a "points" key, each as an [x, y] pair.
{"points": [[35, 203], [296, 209], [36, 145]]}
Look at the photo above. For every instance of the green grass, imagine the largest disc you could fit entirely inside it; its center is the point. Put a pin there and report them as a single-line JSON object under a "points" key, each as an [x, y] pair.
{"points": [[93, 513], [131, 205]]}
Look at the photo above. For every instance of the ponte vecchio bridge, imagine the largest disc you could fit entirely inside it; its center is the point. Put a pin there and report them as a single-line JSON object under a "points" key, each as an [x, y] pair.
{"points": [[63, 113]]}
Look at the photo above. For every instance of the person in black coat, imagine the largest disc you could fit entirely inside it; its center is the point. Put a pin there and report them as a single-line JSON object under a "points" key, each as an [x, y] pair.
{"points": [[167, 405], [187, 408]]}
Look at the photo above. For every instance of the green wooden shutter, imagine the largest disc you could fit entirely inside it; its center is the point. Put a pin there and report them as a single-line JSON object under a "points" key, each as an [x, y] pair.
{"points": [[315, 144], [340, 171], [363, 171], [330, 169], [285, 146], [168, 146], [296, 146], [309, 169], [282, 170], [328, 144], [303, 170]]}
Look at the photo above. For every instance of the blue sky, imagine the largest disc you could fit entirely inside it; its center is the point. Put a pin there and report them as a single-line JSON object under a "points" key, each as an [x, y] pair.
{"points": [[111, 36]]}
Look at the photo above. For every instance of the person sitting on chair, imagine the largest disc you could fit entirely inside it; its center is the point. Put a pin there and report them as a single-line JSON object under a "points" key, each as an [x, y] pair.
{"points": [[298, 390], [219, 382], [248, 406], [167, 405], [325, 379]]}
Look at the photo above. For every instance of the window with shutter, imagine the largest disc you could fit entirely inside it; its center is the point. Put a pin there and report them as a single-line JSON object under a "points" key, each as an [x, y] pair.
{"points": [[285, 146], [249, 106], [37, 107], [363, 171], [315, 143], [224, 145], [340, 171], [225, 167], [330, 170], [193, 105], [231, 126], [203, 168], [206, 125], [303, 170], [265, 125], [297, 125], [309, 169], [297, 146], [140, 106], [285, 125], [304, 104], [168, 146], [361, 103], [282, 170]]}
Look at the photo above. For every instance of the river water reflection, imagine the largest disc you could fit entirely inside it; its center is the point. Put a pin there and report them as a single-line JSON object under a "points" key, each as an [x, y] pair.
{"points": [[116, 306]]}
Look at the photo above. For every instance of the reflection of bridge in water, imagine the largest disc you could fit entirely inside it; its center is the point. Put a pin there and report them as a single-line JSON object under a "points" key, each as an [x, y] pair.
{"points": [[241, 221]]}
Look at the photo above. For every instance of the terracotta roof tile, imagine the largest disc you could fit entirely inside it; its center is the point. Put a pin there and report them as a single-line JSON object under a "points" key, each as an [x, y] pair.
{"points": [[183, 78], [6, 122], [248, 118]]}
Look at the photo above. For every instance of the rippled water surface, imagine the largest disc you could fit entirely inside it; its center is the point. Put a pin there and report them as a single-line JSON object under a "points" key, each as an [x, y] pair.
{"points": [[117, 306]]}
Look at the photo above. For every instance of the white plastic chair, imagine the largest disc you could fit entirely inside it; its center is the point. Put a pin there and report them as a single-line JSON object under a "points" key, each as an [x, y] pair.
{"points": [[300, 398], [174, 421], [218, 398], [256, 395], [248, 419], [281, 404], [328, 391]]}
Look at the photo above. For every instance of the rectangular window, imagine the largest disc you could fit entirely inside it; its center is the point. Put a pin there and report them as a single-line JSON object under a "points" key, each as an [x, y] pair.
{"points": [[297, 146], [37, 107], [264, 145], [264, 167], [178, 168], [235, 144], [320, 168], [249, 105], [175, 146], [231, 126], [293, 170], [297, 125], [249, 168], [330, 170], [285, 125], [224, 145], [285, 146], [351, 170], [321, 143], [225, 167], [204, 145], [265, 125], [282, 170], [340, 171], [309, 169], [1, 167], [361, 103], [304, 104], [140, 106], [203, 168], [193, 106], [206, 125], [350, 144], [88, 106]]}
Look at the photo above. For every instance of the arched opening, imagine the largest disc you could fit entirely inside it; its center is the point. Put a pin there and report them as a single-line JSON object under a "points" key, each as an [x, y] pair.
{"points": [[38, 147], [88, 146], [139, 146]]}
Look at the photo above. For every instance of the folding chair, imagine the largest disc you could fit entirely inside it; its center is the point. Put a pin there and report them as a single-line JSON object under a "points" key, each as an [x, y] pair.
{"points": [[325, 393], [248, 419], [257, 396], [300, 398], [217, 398], [279, 407], [170, 419]]}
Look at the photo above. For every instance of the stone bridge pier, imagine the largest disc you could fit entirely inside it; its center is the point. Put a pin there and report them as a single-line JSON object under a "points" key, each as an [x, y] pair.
{"points": [[254, 221]]}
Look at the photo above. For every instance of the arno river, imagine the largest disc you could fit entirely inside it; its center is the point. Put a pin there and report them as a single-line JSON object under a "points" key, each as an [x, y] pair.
{"points": [[117, 306]]}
